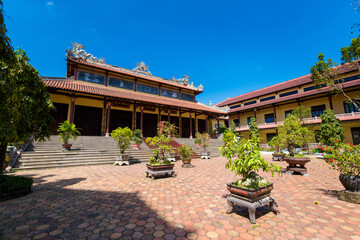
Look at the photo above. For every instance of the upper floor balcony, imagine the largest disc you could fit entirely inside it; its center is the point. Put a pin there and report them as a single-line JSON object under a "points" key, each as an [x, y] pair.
{"points": [[313, 120]]}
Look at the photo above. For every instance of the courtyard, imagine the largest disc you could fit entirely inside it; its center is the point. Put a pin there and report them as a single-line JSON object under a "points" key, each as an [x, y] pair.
{"points": [[108, 202]]}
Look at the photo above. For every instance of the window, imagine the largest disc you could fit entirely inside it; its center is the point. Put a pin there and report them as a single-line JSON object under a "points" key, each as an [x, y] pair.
{"points": [[236, 106], [270, 136], [236, 121], [169, 93], [288, 112], [269, 118], [350, 107], [288, 93], [249, 103], [313, 87], [187, 97], [267, 99], [120, 83], [147, 89], [348, 79], [316, 111], [248, 120], [91, 77]]}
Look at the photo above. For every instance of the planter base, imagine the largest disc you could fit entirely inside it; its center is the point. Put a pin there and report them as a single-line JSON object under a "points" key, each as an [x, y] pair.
{"points": [[187, 165], [252, 206], [153, 174], [120, 163], [348, 196], [301, 170], [205, 157]]}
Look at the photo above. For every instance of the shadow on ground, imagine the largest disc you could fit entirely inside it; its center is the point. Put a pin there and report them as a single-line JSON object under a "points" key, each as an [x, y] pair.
{"points": [[53, 210]]}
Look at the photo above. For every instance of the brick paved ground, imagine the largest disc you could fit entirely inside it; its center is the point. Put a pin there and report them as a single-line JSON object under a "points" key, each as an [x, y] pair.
{"points": [[102, 202]]}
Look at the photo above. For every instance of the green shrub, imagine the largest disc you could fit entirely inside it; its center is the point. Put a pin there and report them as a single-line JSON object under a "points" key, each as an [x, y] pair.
{"points": [[137, 136], [10, 184], [123, 138]]}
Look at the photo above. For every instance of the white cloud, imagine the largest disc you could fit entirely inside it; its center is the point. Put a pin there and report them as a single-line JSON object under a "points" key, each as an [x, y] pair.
{"points": [[50, 4]]}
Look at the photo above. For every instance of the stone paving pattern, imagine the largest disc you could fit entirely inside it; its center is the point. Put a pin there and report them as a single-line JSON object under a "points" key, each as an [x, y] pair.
{"points": [[112, 202]]}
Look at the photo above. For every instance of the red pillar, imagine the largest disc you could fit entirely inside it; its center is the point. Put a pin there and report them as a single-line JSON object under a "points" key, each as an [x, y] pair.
{"points": [[108, 120], [168, 115], [239, 119], [190, 126], [141, 118], [275, 114], [330, 102], [72, 110], [218, 123]]}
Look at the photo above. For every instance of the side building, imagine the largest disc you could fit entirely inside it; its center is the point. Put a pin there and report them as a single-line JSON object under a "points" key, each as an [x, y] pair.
{"points": [[99, 97], [271, 105]]}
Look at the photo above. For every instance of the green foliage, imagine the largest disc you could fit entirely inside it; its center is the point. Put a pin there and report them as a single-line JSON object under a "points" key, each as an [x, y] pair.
{"points": [[331, 128], [162, 141], [137, 136], [252, 181], [253, 128], [123, 138], [7, 159], [301, 112], [222, 129], [344, 158], [292, 133], [352, 52], [275, 142], [12, 184], [185, 151], [244, 157], [197, 138], [204, 140], [66, 131]]}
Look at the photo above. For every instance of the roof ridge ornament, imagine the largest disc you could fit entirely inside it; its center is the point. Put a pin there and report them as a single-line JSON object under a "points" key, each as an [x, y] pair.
{"points": [[142, 68], [78, 52]]}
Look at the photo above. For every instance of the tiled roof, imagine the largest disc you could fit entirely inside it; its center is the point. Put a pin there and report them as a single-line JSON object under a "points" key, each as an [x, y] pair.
{"points": [[100, 90], [291, 97], [120, 70], [277, 87]]}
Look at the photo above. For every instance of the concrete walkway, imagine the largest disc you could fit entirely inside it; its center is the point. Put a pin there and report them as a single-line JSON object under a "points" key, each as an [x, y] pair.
{"points": [[108, 202]]}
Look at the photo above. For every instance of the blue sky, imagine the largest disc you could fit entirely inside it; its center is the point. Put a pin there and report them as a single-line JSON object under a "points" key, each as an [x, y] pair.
{"points": [[231, 47]]}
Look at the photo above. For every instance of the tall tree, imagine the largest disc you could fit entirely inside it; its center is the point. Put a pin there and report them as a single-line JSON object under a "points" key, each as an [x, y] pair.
{"points": [[25, 103], [331, 129], [254, 129]]}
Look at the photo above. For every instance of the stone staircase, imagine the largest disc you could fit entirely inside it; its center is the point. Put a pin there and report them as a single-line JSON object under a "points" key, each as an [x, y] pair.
{"points": [[85, 151], [213, 148]]}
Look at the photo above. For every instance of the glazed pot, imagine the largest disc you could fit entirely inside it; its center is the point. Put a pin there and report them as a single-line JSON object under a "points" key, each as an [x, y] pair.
{"points": [[250, 195], [136, 146], [160, 167], [66, 147], [293, 161], [350, 183], [186, 161]]}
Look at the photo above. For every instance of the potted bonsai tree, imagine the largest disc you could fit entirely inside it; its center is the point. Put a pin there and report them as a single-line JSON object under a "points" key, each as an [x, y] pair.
{"points": [[245, 160], [66, 131], [277, 155], [197, 140], [123, 138], [345, 158], [291, 134], [185, 152], [159, 163], [205, 142], [137, 139]]}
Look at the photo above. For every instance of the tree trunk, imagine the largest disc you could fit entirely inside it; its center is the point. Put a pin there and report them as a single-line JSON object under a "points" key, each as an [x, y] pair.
{"points": [[292, 150], [3, 147]]}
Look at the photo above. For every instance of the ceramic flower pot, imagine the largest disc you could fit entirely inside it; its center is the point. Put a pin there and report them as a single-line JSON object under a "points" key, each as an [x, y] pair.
{"points": [[66, 147], [350, 183], [186, 161]]}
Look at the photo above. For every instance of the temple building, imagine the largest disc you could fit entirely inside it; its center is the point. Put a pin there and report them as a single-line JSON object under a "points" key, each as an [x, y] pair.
{"points": [[272, 104], [99, 97]]}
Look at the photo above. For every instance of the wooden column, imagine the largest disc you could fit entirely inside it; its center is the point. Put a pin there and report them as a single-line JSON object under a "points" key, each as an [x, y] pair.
{"points": [[141, 118], [190, 126], [254, 112], [180, 93], [159, 89], [135, 85], [275, 114], [196, 124], [159, 115], [180, 124], [134, 118], [207, 123], [107, 78], [239, 119], [218, 123], [169, 115], [76, 72], [330, 102], [108, 119], [72, 110]]}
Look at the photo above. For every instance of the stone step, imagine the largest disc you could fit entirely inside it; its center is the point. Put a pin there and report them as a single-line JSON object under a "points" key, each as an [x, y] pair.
{"points": [[63, 165], [46, 158]]}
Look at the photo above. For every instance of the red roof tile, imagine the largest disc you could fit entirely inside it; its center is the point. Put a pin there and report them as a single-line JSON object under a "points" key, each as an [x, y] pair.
{"points": [[100, 90], [130, 73], [294, 96], [276, 88]]}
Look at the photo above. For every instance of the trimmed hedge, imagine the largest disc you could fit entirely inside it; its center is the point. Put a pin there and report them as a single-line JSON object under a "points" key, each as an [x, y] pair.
{"points": [[14, 186]]}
